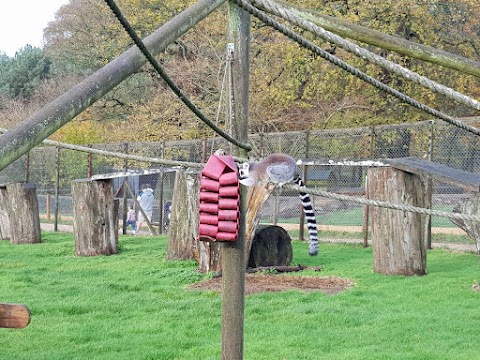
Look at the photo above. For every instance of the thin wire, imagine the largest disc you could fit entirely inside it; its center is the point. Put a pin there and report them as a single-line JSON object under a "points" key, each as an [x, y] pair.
{"points": [[352, 70], [133, 35]]}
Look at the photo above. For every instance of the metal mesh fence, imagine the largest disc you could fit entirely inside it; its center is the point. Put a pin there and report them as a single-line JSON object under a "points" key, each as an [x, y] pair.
{"points": [[53, 169]]}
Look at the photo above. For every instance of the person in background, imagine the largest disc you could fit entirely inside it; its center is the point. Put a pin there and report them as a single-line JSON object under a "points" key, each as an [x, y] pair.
{"points": [[146, 199], [167, 214], [131, 219]]}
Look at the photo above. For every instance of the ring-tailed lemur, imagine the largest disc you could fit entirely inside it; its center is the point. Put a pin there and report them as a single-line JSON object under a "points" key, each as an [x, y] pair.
{"points": [[280, 169]]}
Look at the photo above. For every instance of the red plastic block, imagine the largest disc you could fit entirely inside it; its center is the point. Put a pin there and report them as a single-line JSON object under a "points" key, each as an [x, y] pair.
{"points": [[219, 200]]}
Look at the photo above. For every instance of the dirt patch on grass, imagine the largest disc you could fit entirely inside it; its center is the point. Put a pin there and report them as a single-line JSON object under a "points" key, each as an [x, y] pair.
{"points": [[256, 283]]}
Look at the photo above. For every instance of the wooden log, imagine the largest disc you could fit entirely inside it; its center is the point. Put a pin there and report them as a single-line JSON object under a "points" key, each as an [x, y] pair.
{"points": [[257, 196], [397, 236], [183, 230], [271, 246], [24, 218], [14, 316], [282, 269], [4, 219], [95, 217]]}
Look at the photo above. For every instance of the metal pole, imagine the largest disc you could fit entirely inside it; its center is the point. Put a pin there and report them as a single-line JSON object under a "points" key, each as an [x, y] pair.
{"points": [[233, 254]]}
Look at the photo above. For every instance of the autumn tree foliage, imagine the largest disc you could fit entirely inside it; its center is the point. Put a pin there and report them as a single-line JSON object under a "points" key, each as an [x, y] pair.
{"points": [[291, 89]]}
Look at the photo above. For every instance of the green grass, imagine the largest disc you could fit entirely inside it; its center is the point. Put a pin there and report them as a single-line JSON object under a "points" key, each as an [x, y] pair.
{"points": [[134, 305]]}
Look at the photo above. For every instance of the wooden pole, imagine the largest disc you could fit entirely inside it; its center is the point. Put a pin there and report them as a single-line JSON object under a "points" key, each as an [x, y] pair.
{"points": [[429, 190], [57, 189], [89, 164], [47, 205], [27, 167], [301, 232], [366, 210], [125, 195], [384, 41], [60, 111], [233, 254], [161, 219]]}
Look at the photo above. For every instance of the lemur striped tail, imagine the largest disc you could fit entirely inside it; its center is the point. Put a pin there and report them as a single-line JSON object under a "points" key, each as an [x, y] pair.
{"points": [[310, 217]]}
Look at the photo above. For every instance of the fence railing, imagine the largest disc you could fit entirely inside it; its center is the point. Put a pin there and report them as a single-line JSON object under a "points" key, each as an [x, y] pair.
{"points": [[53, 169]]}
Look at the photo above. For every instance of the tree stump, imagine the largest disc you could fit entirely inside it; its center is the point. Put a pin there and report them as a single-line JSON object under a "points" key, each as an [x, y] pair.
{"points": [[95, 217], [257, 196], [4, 220], [183, 230], [24, 219], [271, 246], [208, 255], [397, 236]]}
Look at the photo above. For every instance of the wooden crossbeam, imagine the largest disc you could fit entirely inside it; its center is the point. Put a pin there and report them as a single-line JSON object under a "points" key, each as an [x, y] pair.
{"points": [[14, 316], [464, 179]]}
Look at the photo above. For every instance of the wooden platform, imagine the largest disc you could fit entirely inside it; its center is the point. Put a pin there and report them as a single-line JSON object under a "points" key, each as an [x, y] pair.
{"points": [[425, 168]]}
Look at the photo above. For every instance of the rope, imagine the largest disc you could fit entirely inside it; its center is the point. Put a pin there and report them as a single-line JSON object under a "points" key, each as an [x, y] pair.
{"points": [[276, 9], [352, 70], [382, 204], [219, 107], [185, 164], [136, 39]]}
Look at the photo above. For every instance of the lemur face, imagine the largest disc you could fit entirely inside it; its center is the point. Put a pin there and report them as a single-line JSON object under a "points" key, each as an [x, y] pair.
{"points": [[244, 174]]}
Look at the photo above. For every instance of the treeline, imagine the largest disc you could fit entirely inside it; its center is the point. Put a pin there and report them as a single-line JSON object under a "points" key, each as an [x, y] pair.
{"points": [[291, 89]]}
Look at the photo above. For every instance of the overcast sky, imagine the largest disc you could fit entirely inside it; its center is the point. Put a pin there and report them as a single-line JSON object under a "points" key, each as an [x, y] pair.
{"points": [[22, 22]]}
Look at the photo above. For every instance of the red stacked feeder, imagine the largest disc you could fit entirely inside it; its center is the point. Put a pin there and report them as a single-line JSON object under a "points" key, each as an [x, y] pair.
{"points": [[219, 200]]}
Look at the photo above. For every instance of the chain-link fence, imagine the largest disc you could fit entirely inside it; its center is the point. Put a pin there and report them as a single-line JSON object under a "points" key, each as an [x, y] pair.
{"points": [[53, 169]]}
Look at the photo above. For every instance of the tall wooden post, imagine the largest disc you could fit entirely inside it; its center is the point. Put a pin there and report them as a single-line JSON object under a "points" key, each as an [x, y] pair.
{"points": [[161, 206], [301, 232], [57, 188], [27, 167], [429, 190], [233, 254], [366, 209], [125, 195]]}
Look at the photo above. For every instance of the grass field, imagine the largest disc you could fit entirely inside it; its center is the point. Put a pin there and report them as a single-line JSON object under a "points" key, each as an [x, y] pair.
{"points": [[135, 305]]}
